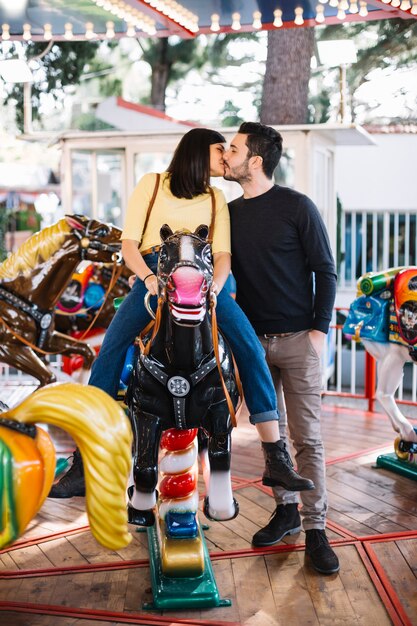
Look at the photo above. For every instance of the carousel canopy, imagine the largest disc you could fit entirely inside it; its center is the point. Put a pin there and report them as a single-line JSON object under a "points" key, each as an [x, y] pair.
{"points": [[43, 20]]}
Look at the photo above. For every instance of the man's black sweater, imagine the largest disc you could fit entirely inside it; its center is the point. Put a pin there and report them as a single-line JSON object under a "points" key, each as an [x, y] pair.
{"points": [[278, 242]]}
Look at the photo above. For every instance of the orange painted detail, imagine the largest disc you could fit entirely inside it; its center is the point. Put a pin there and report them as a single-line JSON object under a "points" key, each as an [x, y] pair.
{"points": [[28, 474]]}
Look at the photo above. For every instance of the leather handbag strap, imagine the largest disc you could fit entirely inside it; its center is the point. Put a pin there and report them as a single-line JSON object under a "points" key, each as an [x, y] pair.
{"points": [[151, 203], [213, 215]]}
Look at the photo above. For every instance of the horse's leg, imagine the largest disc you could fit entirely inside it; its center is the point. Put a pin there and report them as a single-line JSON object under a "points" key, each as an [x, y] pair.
{"points": [[147, 430], [23, 358], [390, 372], [62, 344], [219, 503]]}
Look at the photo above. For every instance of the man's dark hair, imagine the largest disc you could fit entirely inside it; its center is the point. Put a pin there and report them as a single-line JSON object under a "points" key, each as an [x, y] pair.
{"points": [[265, 142], [190, 166]]}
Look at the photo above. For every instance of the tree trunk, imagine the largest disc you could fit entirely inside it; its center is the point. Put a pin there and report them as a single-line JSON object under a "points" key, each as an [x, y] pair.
{"points": [[285, 89], [160, 76]]}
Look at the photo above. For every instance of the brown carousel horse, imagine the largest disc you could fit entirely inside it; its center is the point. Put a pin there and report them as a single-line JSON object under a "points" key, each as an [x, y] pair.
{"points": [[31, 283]]}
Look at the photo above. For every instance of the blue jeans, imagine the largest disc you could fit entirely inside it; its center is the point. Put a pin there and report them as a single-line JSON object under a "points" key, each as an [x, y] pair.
{"points": [[132, 317]]}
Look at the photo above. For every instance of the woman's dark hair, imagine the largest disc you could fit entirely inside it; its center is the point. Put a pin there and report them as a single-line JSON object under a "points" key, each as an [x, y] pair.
{"points": [[263, 141], [190, 166]]}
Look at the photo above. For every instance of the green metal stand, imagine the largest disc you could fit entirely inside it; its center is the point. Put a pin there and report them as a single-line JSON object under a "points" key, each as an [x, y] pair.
{"points": [[181, 593], [393, 463]]}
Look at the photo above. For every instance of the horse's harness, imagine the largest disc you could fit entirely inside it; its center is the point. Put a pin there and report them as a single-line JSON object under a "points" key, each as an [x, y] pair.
{"points": [[44, 318], [178, 386]]}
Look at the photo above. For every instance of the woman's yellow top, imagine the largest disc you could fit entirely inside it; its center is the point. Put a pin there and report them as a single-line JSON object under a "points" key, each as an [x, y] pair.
{"points": [[178, 213]]}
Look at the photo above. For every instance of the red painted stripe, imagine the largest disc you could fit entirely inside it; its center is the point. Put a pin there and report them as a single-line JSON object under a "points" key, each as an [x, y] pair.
{"points": [[359, 453], [403, 534], [382, 584]]}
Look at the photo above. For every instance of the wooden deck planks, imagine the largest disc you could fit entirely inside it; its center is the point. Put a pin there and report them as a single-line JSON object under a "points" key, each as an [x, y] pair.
{"points": [[275, 589], [399, 562]]}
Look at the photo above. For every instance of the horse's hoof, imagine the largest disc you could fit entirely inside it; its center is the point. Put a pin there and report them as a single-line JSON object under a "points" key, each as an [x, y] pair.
{"points": [[206, 511], [140, 517]]}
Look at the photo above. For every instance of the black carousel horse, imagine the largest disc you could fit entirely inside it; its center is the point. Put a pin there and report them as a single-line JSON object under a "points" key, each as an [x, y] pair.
{"points": [[184, 379]]}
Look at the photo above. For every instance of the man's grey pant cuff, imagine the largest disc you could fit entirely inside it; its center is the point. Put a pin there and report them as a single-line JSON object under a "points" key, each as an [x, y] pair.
{"points": [[267, 416]]}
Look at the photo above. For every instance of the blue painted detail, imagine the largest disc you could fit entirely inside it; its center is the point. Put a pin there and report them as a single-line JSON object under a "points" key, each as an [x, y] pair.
{"points": [[372, 314], [93, 296], [181, 525], [131, 356]]}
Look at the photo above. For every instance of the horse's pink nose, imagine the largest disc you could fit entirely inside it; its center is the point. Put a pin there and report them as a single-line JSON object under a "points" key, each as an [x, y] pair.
{"points": [[188, 282]]}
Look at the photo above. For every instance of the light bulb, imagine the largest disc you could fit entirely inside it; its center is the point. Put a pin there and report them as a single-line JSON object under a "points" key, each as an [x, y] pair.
{"points": [[257, 20], [89, 30], [215, 22], [363, 10], [110, 30], [5, 35], [298, 16], [236, 21], [353, 7], [47, 32], [320, 14], [278, 18], [26, 32]]}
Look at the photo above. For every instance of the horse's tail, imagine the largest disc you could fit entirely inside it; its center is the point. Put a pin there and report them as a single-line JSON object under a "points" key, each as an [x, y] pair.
{"points": [[102, 432]]}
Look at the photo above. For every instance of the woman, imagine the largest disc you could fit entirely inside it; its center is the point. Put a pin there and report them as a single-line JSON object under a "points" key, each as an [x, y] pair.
{"points": [[183, 200]]}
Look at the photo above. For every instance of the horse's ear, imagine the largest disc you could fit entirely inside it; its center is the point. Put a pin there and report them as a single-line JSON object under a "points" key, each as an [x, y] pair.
{"points": [[165, 232], [75, 221], [202, 231]]}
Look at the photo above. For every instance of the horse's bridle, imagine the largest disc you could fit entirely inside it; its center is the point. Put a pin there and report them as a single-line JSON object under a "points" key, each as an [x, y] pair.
{"points": [[86, 243]]}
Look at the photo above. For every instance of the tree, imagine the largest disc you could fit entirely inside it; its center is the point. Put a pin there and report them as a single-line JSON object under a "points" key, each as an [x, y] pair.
{"points": [[62, 66], [170, 60], [287, 74], [380, 45]]}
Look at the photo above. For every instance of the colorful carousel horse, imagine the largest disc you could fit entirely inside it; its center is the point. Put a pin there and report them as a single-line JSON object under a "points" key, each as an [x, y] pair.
{"points": [[31, 283], [27, 459], [384, 318], [183, 380], [86, 308]]}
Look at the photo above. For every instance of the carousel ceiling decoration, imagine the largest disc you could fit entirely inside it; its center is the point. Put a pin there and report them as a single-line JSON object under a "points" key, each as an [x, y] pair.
{"points": [[44, 20]]}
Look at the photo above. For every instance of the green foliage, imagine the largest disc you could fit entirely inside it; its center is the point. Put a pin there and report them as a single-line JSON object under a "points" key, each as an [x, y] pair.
{"points": [[382, 44], [230, 115], [89, 122], [61, 67], [319, 107]]}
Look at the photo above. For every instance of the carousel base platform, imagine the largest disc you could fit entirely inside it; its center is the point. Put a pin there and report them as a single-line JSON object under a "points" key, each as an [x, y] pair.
{"points": [[394, 464], [181, 593]]}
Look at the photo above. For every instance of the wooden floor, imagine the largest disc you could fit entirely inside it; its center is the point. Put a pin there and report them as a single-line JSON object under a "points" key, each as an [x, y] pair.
{"points": [[57, 575]]}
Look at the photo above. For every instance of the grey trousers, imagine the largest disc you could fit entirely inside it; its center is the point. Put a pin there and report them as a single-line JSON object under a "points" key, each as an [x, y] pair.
{"points": [[296, 371]]}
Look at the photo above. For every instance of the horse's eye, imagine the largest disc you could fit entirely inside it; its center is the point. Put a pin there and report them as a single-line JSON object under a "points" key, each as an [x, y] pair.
{"points": [[102, 231], [206, 255]]}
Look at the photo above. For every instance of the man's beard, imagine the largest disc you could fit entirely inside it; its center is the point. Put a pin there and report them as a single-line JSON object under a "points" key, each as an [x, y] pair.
{"points": [[240, 174]]}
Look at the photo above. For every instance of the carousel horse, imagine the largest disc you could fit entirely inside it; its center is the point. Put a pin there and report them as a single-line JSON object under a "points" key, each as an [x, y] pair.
{"points": [[86, 309], [27, 459], [183, 380], [31, 283], [84, 295], [384, 318]]}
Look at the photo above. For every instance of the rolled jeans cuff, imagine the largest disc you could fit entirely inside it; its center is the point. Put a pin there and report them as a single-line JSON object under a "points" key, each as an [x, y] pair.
{"points": [[267, 416]]}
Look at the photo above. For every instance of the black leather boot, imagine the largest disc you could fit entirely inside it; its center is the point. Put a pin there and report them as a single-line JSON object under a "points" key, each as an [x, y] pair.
{"points": [[279, 469], [72, 483], [285, 520]]}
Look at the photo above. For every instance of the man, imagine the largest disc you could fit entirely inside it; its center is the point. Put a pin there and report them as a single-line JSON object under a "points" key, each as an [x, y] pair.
{"points": [[279, 243]]}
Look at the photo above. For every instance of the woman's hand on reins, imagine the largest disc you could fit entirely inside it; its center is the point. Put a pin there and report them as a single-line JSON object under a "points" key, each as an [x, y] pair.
{"points": [[151, 284]]}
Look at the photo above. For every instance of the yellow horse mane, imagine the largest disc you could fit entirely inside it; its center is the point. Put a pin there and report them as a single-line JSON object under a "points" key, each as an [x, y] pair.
{"points": [[37, 248], [102, 432]]}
